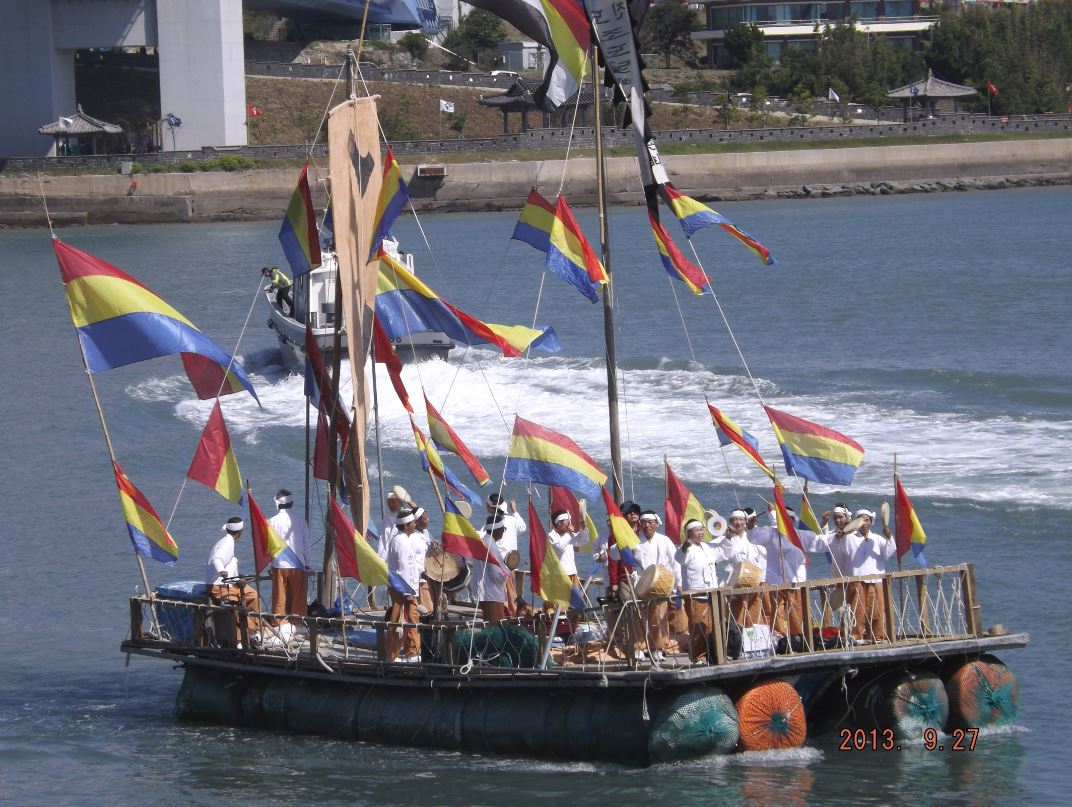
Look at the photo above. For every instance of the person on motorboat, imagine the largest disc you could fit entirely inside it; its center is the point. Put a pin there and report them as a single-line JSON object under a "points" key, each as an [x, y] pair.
{"points": [[281, 285]]}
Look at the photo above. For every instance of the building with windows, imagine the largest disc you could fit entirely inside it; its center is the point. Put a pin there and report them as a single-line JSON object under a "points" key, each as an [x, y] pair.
{"points": [[793, 25]]}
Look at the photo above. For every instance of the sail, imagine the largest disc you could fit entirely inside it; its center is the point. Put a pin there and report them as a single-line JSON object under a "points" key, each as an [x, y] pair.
{"points": [[356, 176]]}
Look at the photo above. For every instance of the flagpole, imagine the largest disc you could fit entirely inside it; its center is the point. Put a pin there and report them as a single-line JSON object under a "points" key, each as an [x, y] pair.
{"points": [[900, 587], [617, 480], [155, 621]]}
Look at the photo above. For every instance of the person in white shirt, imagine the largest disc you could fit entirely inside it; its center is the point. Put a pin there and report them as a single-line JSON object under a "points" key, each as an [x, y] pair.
{"points": [[867, 554], [220, 574], [786, 563], [490, 580], [513, 522], [698, 564], [655, 549], [426, 597], [290, 591], [397, 498], [564, 540], [839, 560], [405, 557], [747, 609]]}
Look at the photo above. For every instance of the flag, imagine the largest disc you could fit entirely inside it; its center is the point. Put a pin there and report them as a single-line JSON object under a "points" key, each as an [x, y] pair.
{"points": [[807, 519], [147, 532], [208, 378], [992, 90], [405, 305], [392, 200], [215, 465], [387, 355], [676, 264], [430, 460], [461, 538], [560, 26], [832, 96], [693, 216], [298, 234], [908, 531], [563, 499], [621, 534], [549, 580], [537, 454], [786, 528], [119, 321], [815, 452], [357, 558], [729, 432], [534, 223], [319, 387], [266, 541], [681, 506], [445, 106], [448, 440], [253, 111], [570, 256], [321, 455]]}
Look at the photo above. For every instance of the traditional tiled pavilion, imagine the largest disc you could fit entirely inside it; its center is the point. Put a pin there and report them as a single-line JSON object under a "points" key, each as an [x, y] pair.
{"points": [[933, 94], [81, 127], [520, 98]]}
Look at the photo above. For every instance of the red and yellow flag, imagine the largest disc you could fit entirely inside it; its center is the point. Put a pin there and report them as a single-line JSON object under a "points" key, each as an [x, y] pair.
{"points": [[214, 464], [266, 541]]}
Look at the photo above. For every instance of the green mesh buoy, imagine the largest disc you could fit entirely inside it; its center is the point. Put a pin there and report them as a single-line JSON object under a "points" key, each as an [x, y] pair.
{"points": [[983, 693], [694, 723], [912, 702]]}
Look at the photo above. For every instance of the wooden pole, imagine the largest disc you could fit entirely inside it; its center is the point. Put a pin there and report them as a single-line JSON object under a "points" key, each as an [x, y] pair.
{"points": [[608, 293]]}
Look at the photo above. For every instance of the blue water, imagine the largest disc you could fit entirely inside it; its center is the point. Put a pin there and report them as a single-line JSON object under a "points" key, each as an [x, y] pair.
{"points": [[933, 327]]}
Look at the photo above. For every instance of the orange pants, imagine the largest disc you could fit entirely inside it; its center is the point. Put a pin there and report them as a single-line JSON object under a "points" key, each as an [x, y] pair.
{"points": [[658, 633], [243, 596], [290, 592], [786, 613], [868, 603], [494, 612], [699, 613], [749, 609], [402, 610]]}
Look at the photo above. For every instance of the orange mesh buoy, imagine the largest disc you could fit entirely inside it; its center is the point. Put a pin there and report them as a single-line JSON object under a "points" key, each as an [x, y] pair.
{"points": [[771, 715], [982, 692]]}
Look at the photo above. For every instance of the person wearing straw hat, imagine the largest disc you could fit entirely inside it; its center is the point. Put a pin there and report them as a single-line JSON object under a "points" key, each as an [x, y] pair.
{"points": [[867, 554], [221, 575], [697, 563], [290, 593], [397, 498], [405, 557], [499, 510], [656, 549]]}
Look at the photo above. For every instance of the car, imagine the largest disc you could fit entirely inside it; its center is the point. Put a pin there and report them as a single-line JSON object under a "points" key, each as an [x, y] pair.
{"points": [[503, 73]]}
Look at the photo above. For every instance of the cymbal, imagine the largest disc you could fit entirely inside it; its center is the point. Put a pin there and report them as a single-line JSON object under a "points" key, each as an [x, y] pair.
{"points": [[464, 508], [513, 559], [853, 525], [885, 513]]}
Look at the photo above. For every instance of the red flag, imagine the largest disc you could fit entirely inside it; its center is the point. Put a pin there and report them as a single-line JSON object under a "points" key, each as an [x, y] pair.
{"points": [[386, 354], [253, 111], [214, 464], [321, 457], [344, 542], [990, 88], [563, 499], [786, 527], [207, 377], [322, 379], [681, 506], [537, 545], [266, 542]]}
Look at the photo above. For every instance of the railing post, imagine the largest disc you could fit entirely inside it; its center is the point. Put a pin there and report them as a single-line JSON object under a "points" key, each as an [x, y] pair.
{"points": [[805, 617], [136, 633], [924, 604], [891, 613], [972, 619], [718, 635]]}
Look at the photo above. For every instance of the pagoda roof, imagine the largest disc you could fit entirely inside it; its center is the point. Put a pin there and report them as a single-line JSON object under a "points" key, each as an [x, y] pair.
{"points": [[931, 87], [79, 124], [521, 95]]}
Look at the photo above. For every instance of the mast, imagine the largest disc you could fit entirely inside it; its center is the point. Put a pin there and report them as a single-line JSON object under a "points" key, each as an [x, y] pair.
{"points": [[608, 293]]}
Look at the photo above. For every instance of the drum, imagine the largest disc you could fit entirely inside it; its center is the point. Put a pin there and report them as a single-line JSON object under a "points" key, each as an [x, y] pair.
{"points": [[745, 575], [459, 581], [655, 581], [442, 566], [513, 559]]}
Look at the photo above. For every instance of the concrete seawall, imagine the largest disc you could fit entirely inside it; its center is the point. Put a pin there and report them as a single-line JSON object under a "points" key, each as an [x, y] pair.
{"points": [[263, 194]]}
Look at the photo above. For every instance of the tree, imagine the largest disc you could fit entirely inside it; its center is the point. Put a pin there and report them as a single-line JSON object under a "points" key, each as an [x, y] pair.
{"points": [[414, 44], [668, 30], [684, 91], [475, 39], [744, 41]]}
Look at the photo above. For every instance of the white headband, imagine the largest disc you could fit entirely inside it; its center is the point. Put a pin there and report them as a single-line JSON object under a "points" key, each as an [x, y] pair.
{"points": [[234, 526], [841, 511], [418, 513], [562, 517], [650, 517], [406, 519], [495, 525], [867, 513], [739, 514], [288, 499], [692, 524]]}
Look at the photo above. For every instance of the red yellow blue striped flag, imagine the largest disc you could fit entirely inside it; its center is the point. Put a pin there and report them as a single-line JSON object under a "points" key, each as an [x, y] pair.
{"points": [[621, 534], [676, 264], [214, 464], [448, 440], [431, 461], [391, 202], [120, 321], [909, 532], [538, 454], [461, 538], [549, 580], [815, 452], [730, 432], [694, 215], [147, 532], [298, 234], [534, 222], [570, 256]]}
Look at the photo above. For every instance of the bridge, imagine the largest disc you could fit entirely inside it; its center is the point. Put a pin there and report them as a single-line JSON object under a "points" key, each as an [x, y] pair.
{"points": [[201, 56]]}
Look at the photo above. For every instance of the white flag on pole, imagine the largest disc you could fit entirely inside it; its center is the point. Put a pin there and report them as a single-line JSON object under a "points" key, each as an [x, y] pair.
{"points": [[446, 106], [832, 96]]}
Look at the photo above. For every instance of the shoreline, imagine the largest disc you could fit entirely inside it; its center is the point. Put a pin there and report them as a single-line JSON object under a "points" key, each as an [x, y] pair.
{"points": [[261, 195]]}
